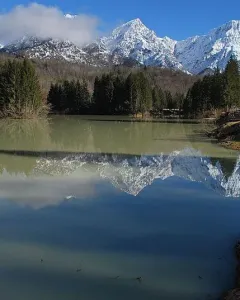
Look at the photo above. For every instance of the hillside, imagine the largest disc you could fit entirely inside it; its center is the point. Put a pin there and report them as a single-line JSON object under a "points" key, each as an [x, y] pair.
{"points": [[55, 70]]}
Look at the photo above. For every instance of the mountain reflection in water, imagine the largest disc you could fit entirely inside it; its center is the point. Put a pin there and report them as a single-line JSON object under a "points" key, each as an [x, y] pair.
{"points": [[68, 146], [131, 173], [118, 200]]}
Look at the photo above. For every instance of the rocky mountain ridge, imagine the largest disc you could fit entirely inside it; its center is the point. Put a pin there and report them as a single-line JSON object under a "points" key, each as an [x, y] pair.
{"points": [[135, 42]]}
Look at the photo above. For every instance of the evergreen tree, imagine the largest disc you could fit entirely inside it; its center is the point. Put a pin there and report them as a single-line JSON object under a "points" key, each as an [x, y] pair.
{"points": [[187, 104], [178, 100], [158, 100], [70, 97], [20, 93], [30, 88], [97, 95], [217, 89], [8, 84], [85, 95], [232, 77], [169, 100], [121, 103], [67, 97], [205, 101], [132, 93], [78, 98], [52, 97], [108, 89], [162, 99], [145, 102]]}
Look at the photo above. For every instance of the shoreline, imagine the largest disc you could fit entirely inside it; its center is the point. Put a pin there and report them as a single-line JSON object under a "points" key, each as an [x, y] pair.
{"points": [[231, 145], [227, 134]]}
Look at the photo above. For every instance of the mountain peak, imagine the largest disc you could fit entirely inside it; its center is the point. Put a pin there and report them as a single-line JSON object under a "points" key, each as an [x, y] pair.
{"points": [[233, 25], [136, 21], [134, 41], [234, 22], [135, 25]]}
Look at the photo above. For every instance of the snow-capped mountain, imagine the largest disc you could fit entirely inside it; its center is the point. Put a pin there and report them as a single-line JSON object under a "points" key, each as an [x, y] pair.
{"points": [[210, 51], [136, 42], [132, 174], [46, 49]]}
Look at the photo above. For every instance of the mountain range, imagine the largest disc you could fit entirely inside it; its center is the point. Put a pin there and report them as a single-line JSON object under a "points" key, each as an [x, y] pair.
{"points": [[133, 42], [132, 174]]}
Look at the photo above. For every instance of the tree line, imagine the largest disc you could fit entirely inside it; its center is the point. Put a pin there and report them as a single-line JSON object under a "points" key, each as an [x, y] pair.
{"points": [[220, 91], [135, 93], [117, 91], [70, 97], [113, 94]]}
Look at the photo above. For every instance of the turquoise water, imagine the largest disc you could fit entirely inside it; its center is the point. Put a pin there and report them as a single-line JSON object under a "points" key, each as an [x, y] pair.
{"points": [[87, 207]]}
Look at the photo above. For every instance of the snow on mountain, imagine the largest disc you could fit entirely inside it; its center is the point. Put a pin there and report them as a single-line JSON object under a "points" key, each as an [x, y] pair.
{"points": [[25, 43], [232, 185], [47, 49], [210, 51], [134, 41], [132, 174]]}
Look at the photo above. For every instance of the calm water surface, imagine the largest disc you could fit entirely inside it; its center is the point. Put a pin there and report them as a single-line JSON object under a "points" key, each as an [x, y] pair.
{"points": [[87, 205]]}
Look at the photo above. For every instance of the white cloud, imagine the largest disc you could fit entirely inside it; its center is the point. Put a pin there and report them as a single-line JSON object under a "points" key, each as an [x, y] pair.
{"points": [[39, 192], [44, 22]]}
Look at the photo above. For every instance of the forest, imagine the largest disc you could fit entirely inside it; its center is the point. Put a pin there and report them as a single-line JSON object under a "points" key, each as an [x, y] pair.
{"points": [[113, 94], [32, 88], [217, 92], [116, 93]]}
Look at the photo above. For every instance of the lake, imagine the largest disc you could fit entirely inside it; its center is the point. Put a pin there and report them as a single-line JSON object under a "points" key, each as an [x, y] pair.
{"points": [[107, 208]]}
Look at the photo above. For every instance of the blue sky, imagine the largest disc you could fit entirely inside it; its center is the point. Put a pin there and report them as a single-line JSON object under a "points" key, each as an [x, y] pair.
{"points": [[177, 19]]}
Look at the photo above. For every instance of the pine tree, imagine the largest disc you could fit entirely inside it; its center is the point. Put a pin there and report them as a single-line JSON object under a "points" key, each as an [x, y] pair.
{"points": [[20, 93], [205, 101], [178, 100], [217, 89], [162, 99], [157, 101], [30, 88], [121, 103], [169, 100], [51, 99], [96, 97], [187, 104], [85, 96], [78, 97], [196, 98], [132, 93], [108, 88], [232, 78], [145, 102]]}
